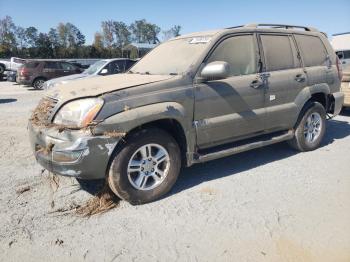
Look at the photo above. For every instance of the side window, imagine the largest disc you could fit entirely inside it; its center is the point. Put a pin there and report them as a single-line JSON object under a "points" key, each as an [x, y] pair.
{"points": [[121, 65], [346, 54], [279, 52], [67, 66], [239, 52], [340, 54], [116, 67], [313, 51], [51, 65], [129, 63]]}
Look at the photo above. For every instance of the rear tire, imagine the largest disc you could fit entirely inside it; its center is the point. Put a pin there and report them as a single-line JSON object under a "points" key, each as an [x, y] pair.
{"points": [[39, 83], [310, 129], [146, 167]]}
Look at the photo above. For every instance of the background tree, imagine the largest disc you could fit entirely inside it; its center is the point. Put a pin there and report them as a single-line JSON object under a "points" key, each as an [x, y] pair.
{"points": [[43, 46], [122, 33], [67, 41], [108, 33], [7, 36], [172, 32]]}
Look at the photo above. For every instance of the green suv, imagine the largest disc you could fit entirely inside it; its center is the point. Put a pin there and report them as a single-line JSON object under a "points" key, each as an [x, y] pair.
{"points": [[192, 99]]}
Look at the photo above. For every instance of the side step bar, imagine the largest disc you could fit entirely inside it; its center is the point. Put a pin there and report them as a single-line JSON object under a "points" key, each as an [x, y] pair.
{"points": [[245, 147]]}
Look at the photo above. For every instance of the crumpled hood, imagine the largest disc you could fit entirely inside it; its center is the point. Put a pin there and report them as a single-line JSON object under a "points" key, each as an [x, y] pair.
{"points": [[87, 87], [63, 80]]}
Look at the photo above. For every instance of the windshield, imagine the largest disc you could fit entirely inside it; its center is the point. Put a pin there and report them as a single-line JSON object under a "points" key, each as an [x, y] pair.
{"points": [[172, 57], [95, 67]]}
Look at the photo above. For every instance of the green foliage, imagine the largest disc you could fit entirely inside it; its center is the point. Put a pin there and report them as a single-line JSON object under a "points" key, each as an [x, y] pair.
{"points": [[67, 41]]}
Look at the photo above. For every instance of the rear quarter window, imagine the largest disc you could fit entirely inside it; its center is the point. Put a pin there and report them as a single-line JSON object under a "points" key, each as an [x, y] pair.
{"points": [[312, 49], [52, 65], [31, 64], [346, 54]]}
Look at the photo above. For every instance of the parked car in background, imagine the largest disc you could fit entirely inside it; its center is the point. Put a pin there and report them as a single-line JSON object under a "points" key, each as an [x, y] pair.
{"points": [[341, 45], [82, 63], [99, 68], [36, 72], [192, 99], [11, 65], [11, 76]]}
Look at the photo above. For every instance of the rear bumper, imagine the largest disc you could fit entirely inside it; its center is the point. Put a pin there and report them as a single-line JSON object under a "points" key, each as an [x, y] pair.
{"points": [[88, 155], [345, 88], [338, 103], [23, 81]]}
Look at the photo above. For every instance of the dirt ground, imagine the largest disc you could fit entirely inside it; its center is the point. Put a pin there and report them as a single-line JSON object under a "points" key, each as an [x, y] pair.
{"points": [[270, 204]]}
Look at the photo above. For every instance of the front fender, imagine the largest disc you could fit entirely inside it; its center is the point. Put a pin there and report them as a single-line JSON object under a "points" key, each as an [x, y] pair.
{"points": [[132, 118]]}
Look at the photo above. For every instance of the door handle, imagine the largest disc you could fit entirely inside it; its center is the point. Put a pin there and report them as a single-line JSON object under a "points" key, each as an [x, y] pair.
{"points": [[256, 83], [300, 78]]}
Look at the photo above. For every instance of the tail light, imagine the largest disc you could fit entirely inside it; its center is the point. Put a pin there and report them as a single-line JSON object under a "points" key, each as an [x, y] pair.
{"points": [[24, 72], [339, 68]]}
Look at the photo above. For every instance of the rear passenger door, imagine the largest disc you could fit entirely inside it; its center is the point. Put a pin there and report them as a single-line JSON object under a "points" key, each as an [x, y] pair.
{"points": [[286, 78], [52, 69], [316, 60]]}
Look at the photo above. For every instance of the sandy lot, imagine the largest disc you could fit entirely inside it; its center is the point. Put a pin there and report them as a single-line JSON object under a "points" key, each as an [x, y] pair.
{"points": [[271, 204]]}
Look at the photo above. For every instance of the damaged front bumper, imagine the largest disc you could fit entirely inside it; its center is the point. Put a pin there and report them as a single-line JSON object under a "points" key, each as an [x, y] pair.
{"points": [[75, 153]]}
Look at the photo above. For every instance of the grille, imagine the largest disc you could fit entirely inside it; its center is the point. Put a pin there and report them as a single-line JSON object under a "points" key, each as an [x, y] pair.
{"points": [[43, 112]]}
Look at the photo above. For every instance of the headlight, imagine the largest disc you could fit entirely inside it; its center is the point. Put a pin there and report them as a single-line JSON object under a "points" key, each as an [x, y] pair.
{"points": [[78, 113]]}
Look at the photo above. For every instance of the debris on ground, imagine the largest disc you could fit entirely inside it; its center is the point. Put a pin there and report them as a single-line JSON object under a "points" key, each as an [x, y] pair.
{"points": [[72, 207], [58, 242], [45, 150], [103, 201], [22, 189], [12, 242]]}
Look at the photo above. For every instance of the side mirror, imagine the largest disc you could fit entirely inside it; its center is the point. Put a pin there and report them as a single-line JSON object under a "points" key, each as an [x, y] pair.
{"points": [[216, 70], [104, 71]]}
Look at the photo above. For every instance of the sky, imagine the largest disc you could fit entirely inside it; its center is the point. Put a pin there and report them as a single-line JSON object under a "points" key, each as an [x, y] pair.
{"points": [[331, 16]]}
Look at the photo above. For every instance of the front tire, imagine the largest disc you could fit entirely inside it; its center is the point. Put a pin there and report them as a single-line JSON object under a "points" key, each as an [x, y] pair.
{"points": [[310, 129], [146, 167]]}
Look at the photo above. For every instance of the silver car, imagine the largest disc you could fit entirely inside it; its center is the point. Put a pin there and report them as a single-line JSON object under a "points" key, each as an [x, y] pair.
{"points": [[99, 68]]}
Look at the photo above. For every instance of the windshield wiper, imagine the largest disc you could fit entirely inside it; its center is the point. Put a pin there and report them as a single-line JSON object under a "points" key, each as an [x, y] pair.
{"points": [[173, 74]]}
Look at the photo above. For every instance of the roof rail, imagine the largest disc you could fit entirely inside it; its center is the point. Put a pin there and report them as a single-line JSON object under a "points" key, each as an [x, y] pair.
{"points": [[346, 33], [306, 28]]}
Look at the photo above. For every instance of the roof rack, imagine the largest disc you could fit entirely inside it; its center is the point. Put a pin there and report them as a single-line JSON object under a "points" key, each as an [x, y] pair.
{"points": [[306, 28]]}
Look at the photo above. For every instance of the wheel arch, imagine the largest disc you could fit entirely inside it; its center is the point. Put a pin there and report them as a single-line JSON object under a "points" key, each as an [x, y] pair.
{"points": [[168, 116], [317, 93], [38, 77]]}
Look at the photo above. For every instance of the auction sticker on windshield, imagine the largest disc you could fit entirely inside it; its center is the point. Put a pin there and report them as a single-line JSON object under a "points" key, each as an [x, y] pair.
{"points": [[200, 40]]}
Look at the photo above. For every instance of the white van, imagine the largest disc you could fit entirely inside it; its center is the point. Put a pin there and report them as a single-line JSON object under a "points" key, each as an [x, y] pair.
{"points": [[341, 45]]}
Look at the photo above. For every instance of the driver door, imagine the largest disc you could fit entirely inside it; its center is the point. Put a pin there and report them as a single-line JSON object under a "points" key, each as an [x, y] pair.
{"points": [[232, 108]]}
